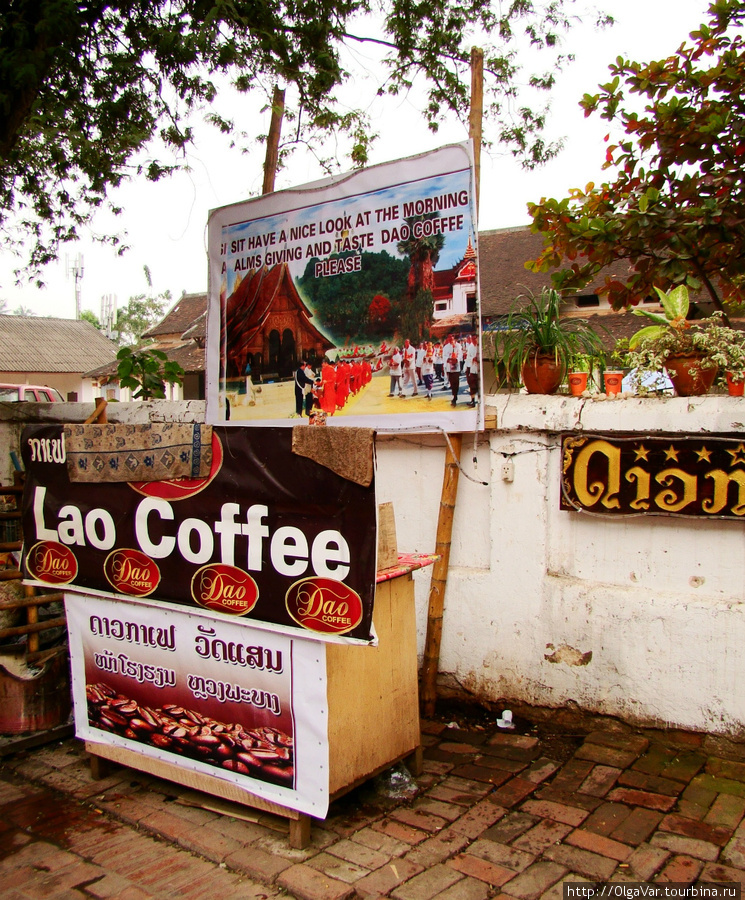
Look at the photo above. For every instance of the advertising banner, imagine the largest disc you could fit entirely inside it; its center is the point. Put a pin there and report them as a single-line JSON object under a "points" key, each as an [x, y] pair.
{"points": [[208, 695], [354, 298], [269, 537], [679, 476]]}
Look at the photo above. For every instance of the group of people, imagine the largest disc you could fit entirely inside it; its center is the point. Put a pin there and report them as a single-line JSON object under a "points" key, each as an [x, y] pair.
{"points": [[413, 371], [423, 366], [331, 388]]}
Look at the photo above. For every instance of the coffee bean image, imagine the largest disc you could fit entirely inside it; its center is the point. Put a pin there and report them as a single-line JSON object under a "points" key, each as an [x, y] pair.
{"points": [[265, 753]]}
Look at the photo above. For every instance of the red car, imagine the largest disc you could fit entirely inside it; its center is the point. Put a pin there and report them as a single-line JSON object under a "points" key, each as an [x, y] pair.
{"points": [[10, 393]]}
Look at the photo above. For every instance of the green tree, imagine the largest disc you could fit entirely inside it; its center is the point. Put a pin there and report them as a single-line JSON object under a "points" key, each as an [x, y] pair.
{"points": [[676, 209], [87, 315], [341, 304], [423, 253], [415, 315], [141, 313], [93, 93], [146, 371]]}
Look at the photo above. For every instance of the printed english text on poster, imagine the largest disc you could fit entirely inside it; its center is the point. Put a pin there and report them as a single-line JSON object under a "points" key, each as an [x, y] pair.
{"points": [[350, 301]]}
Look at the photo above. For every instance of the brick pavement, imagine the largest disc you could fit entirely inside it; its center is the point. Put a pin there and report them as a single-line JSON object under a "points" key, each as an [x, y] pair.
{"points": [[496, 814]]}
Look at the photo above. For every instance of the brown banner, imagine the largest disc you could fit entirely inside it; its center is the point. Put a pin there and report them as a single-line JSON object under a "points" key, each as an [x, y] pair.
{"points": [[268, 536], [684, 476]]}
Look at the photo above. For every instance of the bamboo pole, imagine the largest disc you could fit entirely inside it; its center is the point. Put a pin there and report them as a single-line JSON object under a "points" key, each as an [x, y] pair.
{"points": [[431, 661], [272, 143], [449, 495]]}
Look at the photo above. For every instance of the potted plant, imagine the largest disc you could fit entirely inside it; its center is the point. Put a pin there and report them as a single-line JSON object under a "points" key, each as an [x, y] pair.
{"points": [[692, 352], [541, 345], [730, 358]]}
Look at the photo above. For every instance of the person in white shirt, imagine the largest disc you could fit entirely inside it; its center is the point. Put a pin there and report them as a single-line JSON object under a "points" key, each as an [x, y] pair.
{"points": [[428, 369], [437, 358], [452, 356], [394, 368], [420, 351], [472, 369], [409, 367]]}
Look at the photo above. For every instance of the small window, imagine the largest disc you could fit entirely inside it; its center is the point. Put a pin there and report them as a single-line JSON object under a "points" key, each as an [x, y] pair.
{"points": [[441, 306], [471, 303], [588, 300]]}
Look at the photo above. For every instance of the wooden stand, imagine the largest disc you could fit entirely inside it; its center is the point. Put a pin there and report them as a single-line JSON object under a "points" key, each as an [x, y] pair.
{"points": [[373, 718]]}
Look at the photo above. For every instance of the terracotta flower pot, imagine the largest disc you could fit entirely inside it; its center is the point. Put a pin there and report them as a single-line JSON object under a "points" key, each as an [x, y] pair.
{"points": [[542, 374], [613, 382], [577, 383], [687, 376], [735, 388]]}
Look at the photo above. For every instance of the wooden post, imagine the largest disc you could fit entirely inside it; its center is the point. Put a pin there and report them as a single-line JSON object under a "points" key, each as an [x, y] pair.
{"points": [[32, 618], [431, 661], [476, 113], [99, 413], [272, 143]]}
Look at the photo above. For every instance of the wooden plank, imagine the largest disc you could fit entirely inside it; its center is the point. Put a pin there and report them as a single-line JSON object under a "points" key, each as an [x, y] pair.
{"points": [[387, 543], [16, 742], [300, 832], [438, 584], [197, 780], [373, 692]]}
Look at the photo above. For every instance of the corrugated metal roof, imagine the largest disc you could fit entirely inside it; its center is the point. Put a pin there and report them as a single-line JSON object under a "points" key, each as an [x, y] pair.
{"points": [[32, 344]]}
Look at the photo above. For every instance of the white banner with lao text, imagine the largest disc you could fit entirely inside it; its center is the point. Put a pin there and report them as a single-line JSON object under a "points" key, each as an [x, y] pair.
{"points": [[208, 695]]}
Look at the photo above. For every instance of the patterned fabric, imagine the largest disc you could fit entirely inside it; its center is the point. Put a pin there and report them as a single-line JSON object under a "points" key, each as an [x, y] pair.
{"points": [[350, 452], [153, 452], [407, 562]]}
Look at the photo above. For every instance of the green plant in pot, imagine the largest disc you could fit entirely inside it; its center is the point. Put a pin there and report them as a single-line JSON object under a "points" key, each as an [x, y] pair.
{"points": [[540, 344], [692, 351], [730, 358]]}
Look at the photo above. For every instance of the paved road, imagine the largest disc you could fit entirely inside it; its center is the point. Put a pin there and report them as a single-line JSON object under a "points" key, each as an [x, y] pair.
{"points": [[496, 814]]}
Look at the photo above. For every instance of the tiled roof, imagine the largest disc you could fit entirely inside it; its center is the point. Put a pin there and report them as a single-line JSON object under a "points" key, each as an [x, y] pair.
{"points": [[198, 329], [189, 356], [180, 317], [32, 344], [503, 276]]}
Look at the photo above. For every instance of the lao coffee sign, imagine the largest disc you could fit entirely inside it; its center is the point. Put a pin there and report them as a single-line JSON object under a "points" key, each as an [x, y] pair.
{"points": [[268, 537], [681, 476], [204, 693]]}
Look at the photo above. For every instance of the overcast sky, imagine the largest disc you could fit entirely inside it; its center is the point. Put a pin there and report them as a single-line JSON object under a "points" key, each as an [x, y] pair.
{"points": [[166, 221]]}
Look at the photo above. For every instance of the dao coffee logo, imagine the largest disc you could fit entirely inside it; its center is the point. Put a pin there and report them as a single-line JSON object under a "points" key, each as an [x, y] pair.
{"points": [[324, 605], [225, 589], [131, 572], [181, 488], [51, 563]]}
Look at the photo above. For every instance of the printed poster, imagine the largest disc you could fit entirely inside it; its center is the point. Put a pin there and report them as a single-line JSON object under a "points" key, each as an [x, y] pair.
{"points": [[209, 695], [354, 300], [269, 537]]}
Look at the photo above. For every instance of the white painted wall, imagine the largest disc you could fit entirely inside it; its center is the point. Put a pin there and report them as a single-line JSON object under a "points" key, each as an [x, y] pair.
{"points": [[658, 602]]}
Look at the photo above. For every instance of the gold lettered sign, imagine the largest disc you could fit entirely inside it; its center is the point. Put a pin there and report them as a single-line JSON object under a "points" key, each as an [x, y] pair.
{"points": [[682, 476]]}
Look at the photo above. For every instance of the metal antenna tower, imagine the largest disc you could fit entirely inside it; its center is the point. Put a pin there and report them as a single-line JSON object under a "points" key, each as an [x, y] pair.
{"points": [[76, 269]]}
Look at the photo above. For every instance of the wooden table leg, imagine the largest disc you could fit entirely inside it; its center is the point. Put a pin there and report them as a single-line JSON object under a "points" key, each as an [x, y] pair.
{"points": [[415, 762], [100, 767], [300, 832]]}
